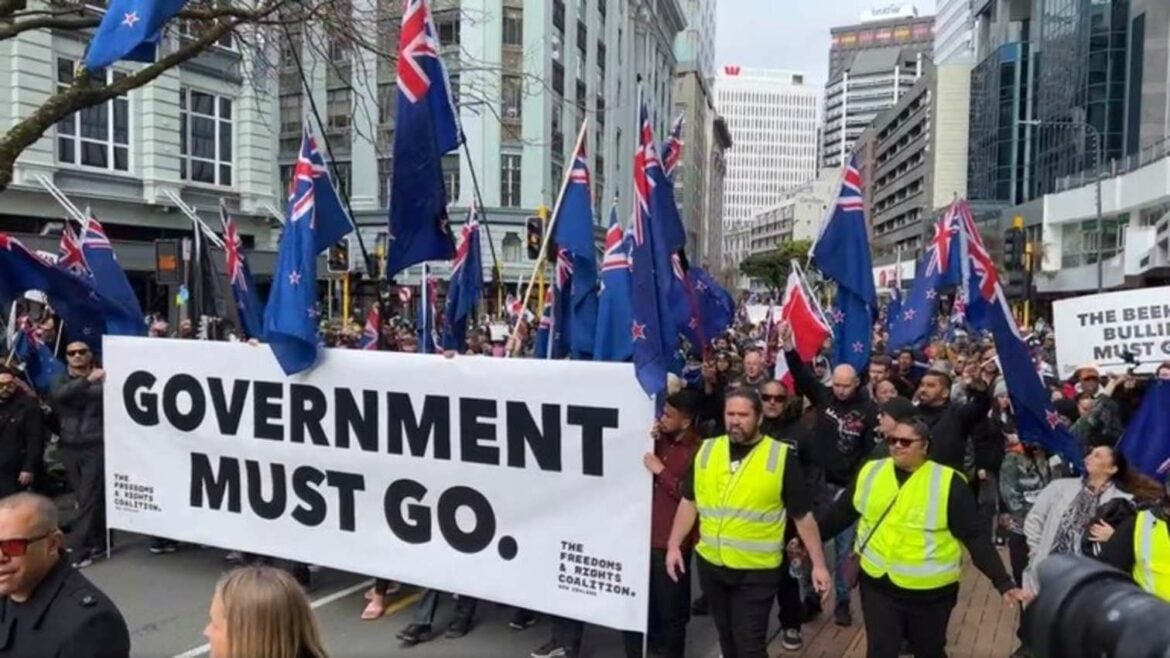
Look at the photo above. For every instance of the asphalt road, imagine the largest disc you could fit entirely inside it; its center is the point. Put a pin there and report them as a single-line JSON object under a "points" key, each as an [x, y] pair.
{"points": [[165, 597]]}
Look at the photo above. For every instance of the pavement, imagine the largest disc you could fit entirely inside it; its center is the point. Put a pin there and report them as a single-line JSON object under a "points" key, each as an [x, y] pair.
{"points": [[164, 599]]}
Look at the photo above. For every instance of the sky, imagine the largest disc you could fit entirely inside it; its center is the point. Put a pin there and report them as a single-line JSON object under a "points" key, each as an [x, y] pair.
{"points": [[787, 34]]}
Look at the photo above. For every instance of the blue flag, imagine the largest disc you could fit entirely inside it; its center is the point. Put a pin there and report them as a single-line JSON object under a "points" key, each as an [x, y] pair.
{"points": [[243, 287], [85, 314], [842, 254], [130, 30], [108, 276], [40, 365], [561, 308], [425, 129], [893, 310], [716, 305], [614, 313], [939, 268], [465, 288], [1146, 442], [573, 233], [540, 347], [653, 329], [1038, 420], [315, 221]]}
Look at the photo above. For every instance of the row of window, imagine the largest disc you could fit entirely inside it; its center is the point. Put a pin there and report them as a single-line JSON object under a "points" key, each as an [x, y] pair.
{"points": [[99, 136]]}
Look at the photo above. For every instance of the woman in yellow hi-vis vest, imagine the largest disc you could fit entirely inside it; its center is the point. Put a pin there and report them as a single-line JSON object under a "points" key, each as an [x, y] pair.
{"points": [[1140, 546], [743, 487], [914, 518]]}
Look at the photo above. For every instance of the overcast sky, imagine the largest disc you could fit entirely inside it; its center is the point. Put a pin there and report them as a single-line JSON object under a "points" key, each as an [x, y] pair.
{"points": [[787, 34]]}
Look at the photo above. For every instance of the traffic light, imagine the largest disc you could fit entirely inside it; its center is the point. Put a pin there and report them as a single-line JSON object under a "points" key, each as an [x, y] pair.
{"points": [[535, 227], [1013, 250], [338, 261]]}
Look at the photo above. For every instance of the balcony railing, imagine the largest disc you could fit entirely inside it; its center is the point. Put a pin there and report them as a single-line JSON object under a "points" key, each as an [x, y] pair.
{"points": [[1149, 154]]}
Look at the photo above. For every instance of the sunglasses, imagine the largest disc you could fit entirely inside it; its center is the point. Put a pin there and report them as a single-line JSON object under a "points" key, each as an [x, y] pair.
{"points": [[773, 398], [901, 443], [19, 547], [76, 352]]}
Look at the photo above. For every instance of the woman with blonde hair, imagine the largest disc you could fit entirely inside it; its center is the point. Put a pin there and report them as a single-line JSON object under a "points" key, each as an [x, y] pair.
{"points": [[261, 612]]}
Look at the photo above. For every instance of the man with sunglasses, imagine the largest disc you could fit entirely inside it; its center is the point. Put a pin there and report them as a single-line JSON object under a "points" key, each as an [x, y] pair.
{"points": [[914, 516], [76, 398], [48, 608], [21, 440]]}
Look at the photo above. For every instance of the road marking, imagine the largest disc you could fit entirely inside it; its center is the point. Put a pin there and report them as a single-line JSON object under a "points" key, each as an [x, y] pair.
{"points": [[323, 601]]}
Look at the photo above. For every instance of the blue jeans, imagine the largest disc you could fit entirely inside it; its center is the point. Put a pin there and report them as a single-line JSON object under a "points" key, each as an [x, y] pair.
{"points": [[842, 546]]}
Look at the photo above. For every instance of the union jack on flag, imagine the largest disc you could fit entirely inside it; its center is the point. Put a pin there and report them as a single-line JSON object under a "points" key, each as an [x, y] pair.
{"points": [[939, 251], [616, 255], [980, 261], [418, 39], [645, 160], [564, 270], [850, 198], [95, 235], [70, 257], [233, 251], [308, 169], [579, 174], [673, 145]]}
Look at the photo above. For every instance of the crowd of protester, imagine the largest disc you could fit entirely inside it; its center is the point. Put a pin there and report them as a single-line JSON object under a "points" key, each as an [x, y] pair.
{"points": [[833, 422]]}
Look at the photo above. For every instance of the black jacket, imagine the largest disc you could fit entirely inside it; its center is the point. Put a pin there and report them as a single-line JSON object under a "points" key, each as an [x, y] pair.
{"points": [[951, 426], [66, 617], [78, 403], [843, 434], [22, 441]]}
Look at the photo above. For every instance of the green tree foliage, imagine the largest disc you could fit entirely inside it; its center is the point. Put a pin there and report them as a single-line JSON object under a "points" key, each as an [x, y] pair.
{"points": [[773, 267]]}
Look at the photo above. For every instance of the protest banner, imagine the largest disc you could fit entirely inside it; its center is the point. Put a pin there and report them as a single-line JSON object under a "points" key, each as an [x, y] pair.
{"points": [[511, 480], [756, 313], [1106, 329]]}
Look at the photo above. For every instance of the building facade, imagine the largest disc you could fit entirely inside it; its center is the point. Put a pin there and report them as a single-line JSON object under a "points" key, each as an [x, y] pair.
{"points": [[891, 26], [798, 216], [526, 76], [954, 32], [695, 45], [719, 139], [773, 117], [202, 131]]}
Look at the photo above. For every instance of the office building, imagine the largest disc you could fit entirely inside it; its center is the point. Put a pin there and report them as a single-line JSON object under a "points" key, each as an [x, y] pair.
{"points": [[719, 140], [694, 101], [772, 115], [525, 74], [871, 66], [798, 216], [200, 131], [913, 158], [954, 33]]}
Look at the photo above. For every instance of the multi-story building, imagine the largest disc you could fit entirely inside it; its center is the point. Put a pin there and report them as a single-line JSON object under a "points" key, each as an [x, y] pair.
{"points": [[719, 139], [894, 25], [913, 159], [693, 100], [798, 216], [200, 131], [526, 75], [737, 245], [773, 117], [953, 33]]}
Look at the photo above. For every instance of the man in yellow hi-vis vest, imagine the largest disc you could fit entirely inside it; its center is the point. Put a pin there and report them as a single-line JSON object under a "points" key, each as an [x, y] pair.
{"points": [[914, 517], [743, 487], [1140, 545]]}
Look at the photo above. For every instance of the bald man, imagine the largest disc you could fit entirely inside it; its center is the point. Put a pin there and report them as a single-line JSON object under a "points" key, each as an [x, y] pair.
{"points": [[840, 441], [48, 609]]}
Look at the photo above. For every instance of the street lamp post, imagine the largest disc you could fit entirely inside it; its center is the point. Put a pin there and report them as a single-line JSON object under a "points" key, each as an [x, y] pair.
{"points": [[1099, 166]]}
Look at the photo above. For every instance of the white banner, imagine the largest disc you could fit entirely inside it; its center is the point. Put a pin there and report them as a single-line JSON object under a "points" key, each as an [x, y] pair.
{"points": [[511, 480], [1104, 328]]}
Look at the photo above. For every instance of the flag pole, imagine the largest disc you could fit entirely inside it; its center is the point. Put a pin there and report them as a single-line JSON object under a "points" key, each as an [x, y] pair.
{"points": [[548, 233]]}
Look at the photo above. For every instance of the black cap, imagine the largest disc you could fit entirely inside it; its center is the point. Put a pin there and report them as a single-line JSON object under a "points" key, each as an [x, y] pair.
{"points": [[899, 408]]}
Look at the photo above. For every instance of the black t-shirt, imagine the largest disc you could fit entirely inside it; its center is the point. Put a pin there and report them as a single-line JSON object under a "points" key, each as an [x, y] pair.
{"points": [[795, 498]]}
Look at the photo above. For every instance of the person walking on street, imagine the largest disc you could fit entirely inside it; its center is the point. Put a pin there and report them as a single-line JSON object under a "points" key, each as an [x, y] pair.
{"points": [[76, 397], [49, 609], [742, 490], [914, 518], [22, 442]]}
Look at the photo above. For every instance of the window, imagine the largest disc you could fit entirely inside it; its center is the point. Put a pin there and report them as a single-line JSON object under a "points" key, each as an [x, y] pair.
{"points": [[511, 248], [97, 136], [337, 108], [453, 82], [290, 113], [559, 15], [205, 137], [385, 170], [387, 102], [601, 57], [601, 9], [451, 177], [513, 26], [286, 172], [558, 78], [290, 46], [342, 174], [510, 181], [194, 29], [448, 29], [513, 91]]}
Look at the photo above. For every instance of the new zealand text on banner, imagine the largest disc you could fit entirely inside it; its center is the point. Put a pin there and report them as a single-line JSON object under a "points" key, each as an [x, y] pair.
{"points": [[1105, 328], [526, 473]]}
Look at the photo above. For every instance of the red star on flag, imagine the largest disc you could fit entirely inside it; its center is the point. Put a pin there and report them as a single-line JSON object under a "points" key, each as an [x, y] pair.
{"points": [[1053, 418], [638, 331]]}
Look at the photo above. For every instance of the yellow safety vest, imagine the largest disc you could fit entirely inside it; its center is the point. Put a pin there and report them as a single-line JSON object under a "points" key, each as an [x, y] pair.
{"points": [[912, 545], [741, 513], [1151, 555]]}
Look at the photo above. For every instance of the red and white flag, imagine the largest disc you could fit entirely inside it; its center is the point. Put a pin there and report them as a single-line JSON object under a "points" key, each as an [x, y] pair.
{"points": [[809, 326]]}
